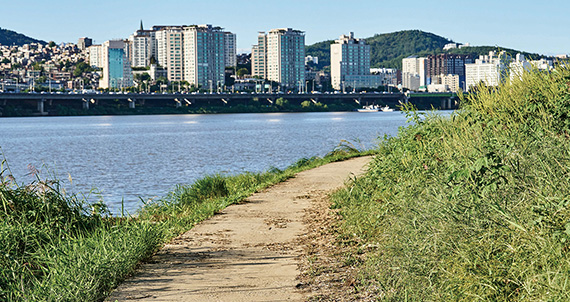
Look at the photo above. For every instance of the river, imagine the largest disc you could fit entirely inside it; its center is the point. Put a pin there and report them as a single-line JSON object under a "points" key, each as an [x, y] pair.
{"points": [[129, 158]]}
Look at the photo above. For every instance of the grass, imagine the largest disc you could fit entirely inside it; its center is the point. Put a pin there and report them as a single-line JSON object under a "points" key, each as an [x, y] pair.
{"points": [[56, 247], [474, 207]]}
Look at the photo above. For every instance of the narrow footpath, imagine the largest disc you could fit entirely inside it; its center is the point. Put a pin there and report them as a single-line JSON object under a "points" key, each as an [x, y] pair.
{"points": [[247, 252]]}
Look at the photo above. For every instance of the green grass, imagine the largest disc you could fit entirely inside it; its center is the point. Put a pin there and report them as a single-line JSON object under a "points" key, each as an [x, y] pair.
{"points": [[56, 247], [474, 207]]}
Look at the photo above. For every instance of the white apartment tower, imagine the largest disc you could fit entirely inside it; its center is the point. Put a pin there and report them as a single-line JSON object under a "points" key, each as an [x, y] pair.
{"points": [[95, 53], [350, 64], [204, 55], [259, 57], [169, 51], [283, 52], [413, 72], [143, 47]]}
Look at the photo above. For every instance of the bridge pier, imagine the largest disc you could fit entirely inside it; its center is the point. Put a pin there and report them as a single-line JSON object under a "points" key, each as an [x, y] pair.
{"points": [[41, 106]]}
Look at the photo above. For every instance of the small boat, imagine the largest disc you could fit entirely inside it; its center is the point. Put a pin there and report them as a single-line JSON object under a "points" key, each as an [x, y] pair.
{"points": [[386, 109], [369, 108]]}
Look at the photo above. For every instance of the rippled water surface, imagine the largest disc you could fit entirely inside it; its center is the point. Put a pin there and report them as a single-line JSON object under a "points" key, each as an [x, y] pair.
{"points": [[127, 157]]}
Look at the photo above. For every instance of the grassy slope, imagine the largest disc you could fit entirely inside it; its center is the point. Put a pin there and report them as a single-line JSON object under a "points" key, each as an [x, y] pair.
{"points": [[471, 208], [54, 247]]}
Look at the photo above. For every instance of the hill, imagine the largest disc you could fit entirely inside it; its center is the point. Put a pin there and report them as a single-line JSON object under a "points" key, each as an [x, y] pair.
{"points": [[388, 50], [9, 37]]}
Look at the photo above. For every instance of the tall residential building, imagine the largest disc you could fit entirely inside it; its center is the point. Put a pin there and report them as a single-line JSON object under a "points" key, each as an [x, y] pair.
{"points": [[204, 55], [413, 72], [230, 49], [283, 52], [259, 57], [193, 53], [143, 47], [489, 69], [350, 64], [444, 64], [95, 53], [117, 72], [169, 50]]}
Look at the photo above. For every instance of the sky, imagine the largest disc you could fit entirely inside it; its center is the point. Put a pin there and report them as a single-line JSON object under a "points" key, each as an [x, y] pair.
{"points": [[533, 26]]}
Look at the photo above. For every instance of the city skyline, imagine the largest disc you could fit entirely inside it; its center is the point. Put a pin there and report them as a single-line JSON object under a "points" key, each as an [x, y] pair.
{"points": [[519, 26]]}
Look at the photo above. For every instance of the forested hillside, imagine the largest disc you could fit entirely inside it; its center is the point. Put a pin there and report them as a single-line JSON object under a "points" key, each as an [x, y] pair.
{"points": [[9, 37], [388, 50]]}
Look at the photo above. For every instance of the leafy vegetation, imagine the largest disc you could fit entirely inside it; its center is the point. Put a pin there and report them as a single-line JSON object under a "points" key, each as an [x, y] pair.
{"points": [[55, 247], [470, 208], [9, 37]]}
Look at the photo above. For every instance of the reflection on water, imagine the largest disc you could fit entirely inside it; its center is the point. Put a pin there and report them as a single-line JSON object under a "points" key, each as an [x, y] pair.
{"points": [[131, 156]]}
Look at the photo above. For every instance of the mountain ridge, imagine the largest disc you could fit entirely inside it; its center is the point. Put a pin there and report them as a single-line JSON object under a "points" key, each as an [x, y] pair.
{"points": [[10, 37], [387, 50]]}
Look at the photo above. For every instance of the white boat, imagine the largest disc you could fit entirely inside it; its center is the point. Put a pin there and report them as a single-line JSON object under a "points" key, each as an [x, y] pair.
{"points": [[386, 109], [369, 108]]}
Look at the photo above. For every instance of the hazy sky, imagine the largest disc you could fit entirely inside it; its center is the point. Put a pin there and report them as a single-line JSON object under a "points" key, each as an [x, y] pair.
{"points": [[532, 26]]}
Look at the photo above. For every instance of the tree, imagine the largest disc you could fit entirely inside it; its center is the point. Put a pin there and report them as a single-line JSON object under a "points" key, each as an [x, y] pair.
{"points": [[51, 44], [281, 102], [37, 66], [241, 72]]}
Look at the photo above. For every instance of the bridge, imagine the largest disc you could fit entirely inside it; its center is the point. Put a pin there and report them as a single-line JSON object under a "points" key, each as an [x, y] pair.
{"points": [[43, 103]]}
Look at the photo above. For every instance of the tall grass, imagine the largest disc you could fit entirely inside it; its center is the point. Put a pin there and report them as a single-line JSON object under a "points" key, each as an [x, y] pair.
{"points": [[474, 207], [56, 247]]}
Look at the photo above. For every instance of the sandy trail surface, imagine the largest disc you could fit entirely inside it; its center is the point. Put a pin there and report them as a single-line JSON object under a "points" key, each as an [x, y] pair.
{"points": [[247, 252]]}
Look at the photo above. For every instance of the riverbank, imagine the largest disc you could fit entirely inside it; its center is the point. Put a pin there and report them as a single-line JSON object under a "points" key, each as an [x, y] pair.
{"points": [[55, 247], [118, 108], [472, 207]]}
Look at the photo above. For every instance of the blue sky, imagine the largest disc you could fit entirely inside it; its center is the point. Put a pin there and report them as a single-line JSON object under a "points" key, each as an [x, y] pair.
{"points": [[532, 26]]}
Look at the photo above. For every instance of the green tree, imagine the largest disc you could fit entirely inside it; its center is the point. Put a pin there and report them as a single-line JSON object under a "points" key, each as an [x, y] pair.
{"points": [[51, 44], [242, 71], [281, 102]]}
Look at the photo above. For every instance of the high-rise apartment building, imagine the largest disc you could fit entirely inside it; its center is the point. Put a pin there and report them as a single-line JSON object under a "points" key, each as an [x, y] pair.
{"points": [[95, 53], [143, 47], [413, 72], [259, 57], [444, 64], [117, 72], [282, 51], [204, 55], [197, 53], [230, 49], [350, 64], [169, 50]]}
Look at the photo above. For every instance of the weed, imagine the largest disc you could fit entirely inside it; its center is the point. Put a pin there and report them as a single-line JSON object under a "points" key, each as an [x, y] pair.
{"points": [[475, 206]]}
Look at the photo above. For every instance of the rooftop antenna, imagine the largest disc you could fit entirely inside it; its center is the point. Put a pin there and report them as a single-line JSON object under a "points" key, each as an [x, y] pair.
{"points": [[141, 25]]}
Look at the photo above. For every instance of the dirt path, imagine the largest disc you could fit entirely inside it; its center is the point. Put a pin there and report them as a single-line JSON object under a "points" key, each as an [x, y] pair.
{"points": [[248, 252]]}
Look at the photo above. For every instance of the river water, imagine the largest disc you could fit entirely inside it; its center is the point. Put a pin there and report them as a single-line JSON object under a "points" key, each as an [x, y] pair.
{"points": [[142, 157]]}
